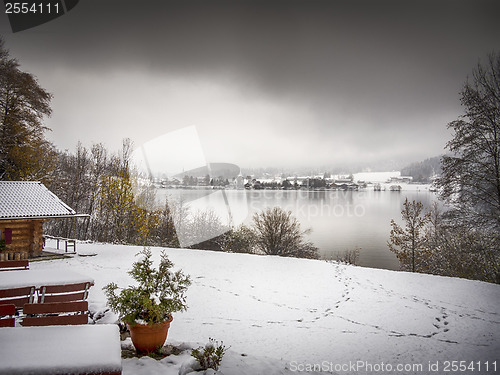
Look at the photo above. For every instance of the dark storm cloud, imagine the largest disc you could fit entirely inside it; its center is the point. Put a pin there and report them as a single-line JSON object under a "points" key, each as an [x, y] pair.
{"points": [[309, 44], [376, 68]]}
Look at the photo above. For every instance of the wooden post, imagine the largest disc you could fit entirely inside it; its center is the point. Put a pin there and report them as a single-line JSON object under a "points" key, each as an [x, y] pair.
{"points": [[37, 236]]}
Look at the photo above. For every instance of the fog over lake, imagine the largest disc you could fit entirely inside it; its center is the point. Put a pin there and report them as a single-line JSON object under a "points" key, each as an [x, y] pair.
{"points": [[340, 220]]}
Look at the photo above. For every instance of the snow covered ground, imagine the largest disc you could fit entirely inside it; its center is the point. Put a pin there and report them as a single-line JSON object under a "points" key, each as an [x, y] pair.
{"points": [[285, 315]]}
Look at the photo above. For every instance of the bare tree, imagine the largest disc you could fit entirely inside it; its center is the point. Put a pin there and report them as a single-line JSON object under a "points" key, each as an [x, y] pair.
{"points": [[470, 179], [25, 154], [410, 243], [279, 233]]}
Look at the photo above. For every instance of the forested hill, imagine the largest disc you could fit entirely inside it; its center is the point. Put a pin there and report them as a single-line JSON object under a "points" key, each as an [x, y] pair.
{"points": [[423, 171]]}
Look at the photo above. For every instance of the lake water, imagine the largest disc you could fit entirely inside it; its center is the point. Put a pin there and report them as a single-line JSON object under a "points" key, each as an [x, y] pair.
{"points": [[340, 220]]}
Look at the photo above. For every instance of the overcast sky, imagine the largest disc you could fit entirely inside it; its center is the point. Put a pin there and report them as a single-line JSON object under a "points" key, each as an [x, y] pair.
{"points": [[287, 83]]}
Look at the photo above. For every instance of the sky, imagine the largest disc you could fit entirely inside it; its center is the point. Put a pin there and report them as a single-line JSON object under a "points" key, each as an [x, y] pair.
{"points": [[281, 83]]}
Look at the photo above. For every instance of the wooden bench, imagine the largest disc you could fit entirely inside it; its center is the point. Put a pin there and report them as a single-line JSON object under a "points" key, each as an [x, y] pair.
{"points": [[63, 293], [55, 313], [91, 349], [7, 313], [14, 265], [18, 296], [58, 305]]}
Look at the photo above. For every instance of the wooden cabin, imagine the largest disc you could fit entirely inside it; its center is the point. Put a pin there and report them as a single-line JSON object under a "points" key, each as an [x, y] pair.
{"points": [[24, 206]]}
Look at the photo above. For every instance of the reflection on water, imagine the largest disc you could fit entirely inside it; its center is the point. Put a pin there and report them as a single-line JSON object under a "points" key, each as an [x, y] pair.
{"points": [[340, 220]]}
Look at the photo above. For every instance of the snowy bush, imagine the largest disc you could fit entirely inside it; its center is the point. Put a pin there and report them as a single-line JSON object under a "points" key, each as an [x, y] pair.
{"points": [[238, 240], [348, 256], [211, 355]]}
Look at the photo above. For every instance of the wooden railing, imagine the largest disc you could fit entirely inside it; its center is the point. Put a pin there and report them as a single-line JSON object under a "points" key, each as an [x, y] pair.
{"points": [[6, 255]]}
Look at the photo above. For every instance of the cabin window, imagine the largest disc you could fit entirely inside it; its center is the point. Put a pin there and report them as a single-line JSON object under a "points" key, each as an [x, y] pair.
{"points": [[7, 234]]}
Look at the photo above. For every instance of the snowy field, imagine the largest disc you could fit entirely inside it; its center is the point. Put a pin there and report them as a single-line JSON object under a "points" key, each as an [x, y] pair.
{"points": [[285, 315]]}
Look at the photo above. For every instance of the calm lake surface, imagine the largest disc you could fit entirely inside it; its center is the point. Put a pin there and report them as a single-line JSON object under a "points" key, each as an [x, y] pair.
{"points": [[340, 220]]}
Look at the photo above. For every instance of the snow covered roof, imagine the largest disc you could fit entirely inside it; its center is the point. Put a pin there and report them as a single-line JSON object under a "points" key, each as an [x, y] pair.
{"points": [[30, 200]]}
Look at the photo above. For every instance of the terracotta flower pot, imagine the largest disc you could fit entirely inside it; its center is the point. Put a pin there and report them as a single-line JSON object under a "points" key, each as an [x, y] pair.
{"points": [[148, 338]]}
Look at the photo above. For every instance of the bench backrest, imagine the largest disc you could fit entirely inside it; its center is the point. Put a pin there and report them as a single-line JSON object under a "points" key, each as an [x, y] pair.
{"points": [[7, 315], [17, 296], [55, 313], [11, 265], [64, 293]]}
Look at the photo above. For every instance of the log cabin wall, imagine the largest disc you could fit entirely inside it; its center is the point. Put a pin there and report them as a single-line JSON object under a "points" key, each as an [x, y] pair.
{"points": [[26, 238]]}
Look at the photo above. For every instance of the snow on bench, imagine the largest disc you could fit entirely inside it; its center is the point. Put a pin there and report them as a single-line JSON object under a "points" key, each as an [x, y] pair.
{"points": [[80, 349], [41, 277]]}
